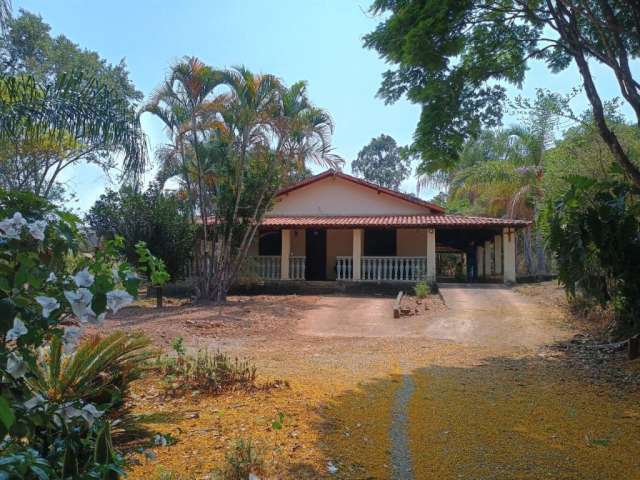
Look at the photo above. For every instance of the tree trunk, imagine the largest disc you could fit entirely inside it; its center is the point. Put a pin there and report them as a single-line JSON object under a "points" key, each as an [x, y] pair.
{"points": [[158, 297], [567, 28]]}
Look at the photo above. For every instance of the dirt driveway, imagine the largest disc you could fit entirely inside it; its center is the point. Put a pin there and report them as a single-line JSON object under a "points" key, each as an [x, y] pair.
{"points": [[473, 391], [473, 314]]}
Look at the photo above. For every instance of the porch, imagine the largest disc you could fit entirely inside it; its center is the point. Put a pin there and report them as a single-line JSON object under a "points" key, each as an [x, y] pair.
{"points": [[384, 254]]}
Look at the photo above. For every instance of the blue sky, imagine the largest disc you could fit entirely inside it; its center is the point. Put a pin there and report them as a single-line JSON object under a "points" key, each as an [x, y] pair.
{"points": [[315, 40]]}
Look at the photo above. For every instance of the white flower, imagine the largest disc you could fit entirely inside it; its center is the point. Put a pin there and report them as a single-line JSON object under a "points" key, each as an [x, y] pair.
{"points": [[12, 227], [70, 338], [35, 401], [67, 412], [80, 302], [16, 367], [52, 217], [83, 278], [90, 413], [160, 440], [92, 318], [48, 305], [52, 278], [18, 330], [117, 299], [115, 274], [37, 229]]}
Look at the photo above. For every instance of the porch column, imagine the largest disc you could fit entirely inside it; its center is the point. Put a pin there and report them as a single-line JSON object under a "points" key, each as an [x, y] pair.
{"points": [[487, 258], [479, 262], [285, 252], [497, 243], [356, 254], [431, 255], [509, 249]]}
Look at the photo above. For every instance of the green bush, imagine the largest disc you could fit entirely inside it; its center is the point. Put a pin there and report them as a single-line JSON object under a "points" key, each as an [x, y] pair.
{"points": [[421, 290], [55, 404], [594, 233]]}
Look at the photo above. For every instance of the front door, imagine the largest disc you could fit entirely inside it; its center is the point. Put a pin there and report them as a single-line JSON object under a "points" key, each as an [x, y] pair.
{"points": [[316, 253]]}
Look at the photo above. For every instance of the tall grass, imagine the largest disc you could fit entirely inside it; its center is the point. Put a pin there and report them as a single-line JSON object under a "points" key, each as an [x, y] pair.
{"points": [[210, 372]]}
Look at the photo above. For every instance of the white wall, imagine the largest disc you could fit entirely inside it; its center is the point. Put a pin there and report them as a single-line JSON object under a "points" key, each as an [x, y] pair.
{"points": [[336, 196]]}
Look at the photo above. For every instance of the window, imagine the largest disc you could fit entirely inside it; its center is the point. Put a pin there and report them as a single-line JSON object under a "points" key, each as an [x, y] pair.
{"points": [[270, 243], [380, 243]]}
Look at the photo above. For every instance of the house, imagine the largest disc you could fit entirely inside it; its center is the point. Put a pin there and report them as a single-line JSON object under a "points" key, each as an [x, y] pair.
{"points": [[334, 226]]}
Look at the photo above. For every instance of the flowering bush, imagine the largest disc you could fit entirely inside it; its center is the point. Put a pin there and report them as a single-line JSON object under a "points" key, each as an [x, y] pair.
{"points": [[49, 291]]}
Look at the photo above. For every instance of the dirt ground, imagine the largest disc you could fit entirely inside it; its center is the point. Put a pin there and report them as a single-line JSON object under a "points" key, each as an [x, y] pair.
{"points": [[482, 386]]}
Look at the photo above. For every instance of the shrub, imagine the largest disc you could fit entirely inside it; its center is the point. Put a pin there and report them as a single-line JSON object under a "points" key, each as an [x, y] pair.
{"points": [[593, 232], [421, 290], [242, 461], [98, 372], [54, 405], [206, 371]]}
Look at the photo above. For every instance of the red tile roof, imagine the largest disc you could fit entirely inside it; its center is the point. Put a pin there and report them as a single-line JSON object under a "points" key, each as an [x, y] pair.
{"points": [[407, 221], [329, 173]]}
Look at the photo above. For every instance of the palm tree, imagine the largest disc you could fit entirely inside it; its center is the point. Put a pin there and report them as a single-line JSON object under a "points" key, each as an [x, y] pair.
{"points": [[70, 108], [499, 174], [243, 134], [182, 103]]}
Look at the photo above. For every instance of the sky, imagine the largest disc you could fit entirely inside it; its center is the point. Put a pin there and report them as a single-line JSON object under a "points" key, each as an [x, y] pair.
{"points": [[319, 41]]}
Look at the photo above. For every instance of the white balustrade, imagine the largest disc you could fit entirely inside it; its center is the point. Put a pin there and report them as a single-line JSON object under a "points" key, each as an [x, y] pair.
{"points": [[297, 268], [408, 269], [266, 267], [344, 268]]}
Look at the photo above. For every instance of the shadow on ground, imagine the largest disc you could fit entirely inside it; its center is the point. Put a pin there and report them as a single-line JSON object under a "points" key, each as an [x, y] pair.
{"points": [[502, 418]]}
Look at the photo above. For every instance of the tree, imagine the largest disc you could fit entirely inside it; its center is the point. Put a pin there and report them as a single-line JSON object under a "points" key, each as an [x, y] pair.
{"points": [[59, 106], [158, 219], [453, 56], [236, 137], [381, 162]]}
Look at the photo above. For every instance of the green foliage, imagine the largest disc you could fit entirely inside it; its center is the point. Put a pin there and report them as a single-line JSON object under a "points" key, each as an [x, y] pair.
{"points": [[61, 105], [242, 461], [421, 289], [594, 232], [153, 266], [278, 423], [55, 402], [205, 371], [454, 57], [382, 162], [158, 219], [236, 137], [99, 371]]}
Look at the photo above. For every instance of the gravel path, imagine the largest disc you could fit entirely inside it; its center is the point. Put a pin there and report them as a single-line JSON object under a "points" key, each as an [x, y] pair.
{"points": [[400, 445]]}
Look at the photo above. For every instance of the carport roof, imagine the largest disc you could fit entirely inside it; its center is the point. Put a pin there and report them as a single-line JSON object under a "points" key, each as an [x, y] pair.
{"points": [[390, 221]]}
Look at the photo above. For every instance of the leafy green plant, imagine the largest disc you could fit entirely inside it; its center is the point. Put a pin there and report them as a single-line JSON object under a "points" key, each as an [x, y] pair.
{"points": [[205, 371], [593, 231], [54, 413], [421, 290], [98, 371], [279, 422], [242, 461]]}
